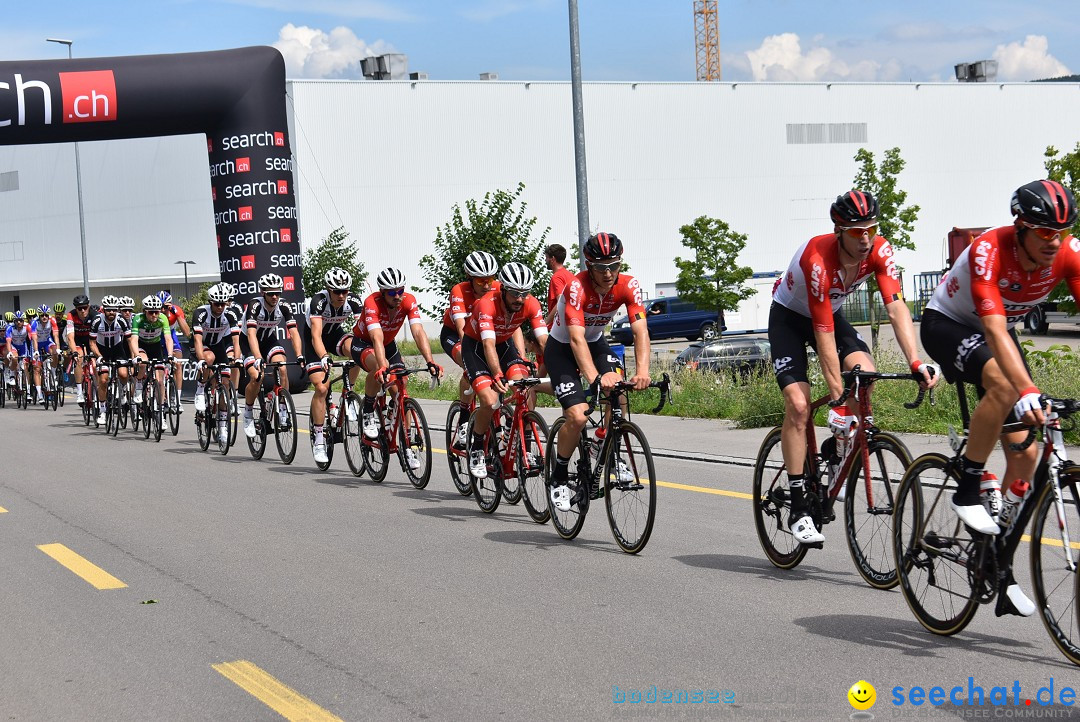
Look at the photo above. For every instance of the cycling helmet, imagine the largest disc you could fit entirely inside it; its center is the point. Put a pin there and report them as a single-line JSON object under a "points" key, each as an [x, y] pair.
{"points": [[58, 308], [9, 316], [127, 303], [44, 309], [854, 208], [271, 282], [218, 293], [603, 247], [164, 297], [81, 300], [109, 303], [3, 324], [1045, 204], [481, 264], [338, 279], [516, 277], [391, 278], [18, 316], [151, 303], [31, 312], [229, 289]]}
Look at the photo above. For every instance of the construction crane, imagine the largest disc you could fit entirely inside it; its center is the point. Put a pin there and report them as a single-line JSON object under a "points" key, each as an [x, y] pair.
{"points": [[707, 39]]}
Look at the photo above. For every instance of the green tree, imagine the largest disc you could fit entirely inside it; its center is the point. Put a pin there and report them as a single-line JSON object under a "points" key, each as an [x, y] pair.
{"points": [[1065, 169], [712, 278], [896, 221], [497, 224], [334, 250], [199, 298]]}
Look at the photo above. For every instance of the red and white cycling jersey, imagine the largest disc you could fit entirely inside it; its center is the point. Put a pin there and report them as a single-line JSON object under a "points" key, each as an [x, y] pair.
{"points": [[462, 299], [581, 305], [378, 315], [987, 280], [813, 285], [492, 319]]}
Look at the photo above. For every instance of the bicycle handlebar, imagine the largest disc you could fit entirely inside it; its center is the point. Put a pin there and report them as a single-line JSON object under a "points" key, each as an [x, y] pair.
{"points": [[855, 376], [1062, 407], [664, 385]]}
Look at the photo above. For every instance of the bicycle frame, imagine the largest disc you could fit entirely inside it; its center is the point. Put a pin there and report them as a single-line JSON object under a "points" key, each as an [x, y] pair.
{"points": [[613, 399]]}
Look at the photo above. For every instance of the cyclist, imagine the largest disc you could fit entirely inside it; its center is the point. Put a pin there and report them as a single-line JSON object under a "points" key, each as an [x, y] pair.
{"points": [[577, 347], [554, 257], [48, 343], [480, 269], [127, 308], [969, 327], [20, 341], [175, 316], [806, 310], [110, 341], [238, 311], [265, 316], [60, 316], [215, 338], [154, 339], [332, 311], [488, 354], [374, 345], [77, 330]]}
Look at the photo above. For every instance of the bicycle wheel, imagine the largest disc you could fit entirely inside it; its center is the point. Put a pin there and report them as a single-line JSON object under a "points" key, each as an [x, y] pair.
{"points": [[1055, 554], [772, 505], [220, 416], [257, 445], [868, 509], [174, 405], [61, 389], [414, 436], [112, 408], [630, 488], [376, 451], [567, 523], [455, 455], [934, 550], [89, 393], [529, 462], [328, 440], [488, 490], [354, 435], [233, 413], [143, 411], [285, 426], [157, 413], [511, 485]]}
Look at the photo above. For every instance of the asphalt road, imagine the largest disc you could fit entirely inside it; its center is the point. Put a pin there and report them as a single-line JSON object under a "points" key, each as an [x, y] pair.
{"points": [[377, 601]]}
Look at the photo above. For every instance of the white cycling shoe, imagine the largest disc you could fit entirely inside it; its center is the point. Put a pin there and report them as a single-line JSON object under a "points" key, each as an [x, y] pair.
{"points": [[200, 401], [412, 459], [319, 452], [371, 425], [976, 517], [805, 532], [560, 497], [1024, 606], [249, 426], [477, 464]]}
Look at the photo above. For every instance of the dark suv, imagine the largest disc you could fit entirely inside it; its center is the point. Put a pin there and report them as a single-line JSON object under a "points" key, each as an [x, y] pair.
{"points": [[671, 318]]}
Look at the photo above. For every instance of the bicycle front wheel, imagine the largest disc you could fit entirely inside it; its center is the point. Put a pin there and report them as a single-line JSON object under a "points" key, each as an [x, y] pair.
{"points": [[414, 444], [630, 488], [1055, 554], [153, 393], [936, 555], [376, 451], [284, 416], [354, 436], [772, 506], [257, 444], [868, 509], [568, 523], [529, 460], [487, 490], [174, 406], [455, 452]]}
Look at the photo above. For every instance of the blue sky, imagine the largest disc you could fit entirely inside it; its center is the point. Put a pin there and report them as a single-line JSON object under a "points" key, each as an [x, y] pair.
{"points": [[626, 40]]}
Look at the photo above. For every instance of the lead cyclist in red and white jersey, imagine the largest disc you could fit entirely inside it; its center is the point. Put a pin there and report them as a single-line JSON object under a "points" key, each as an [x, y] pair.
{"points": [[577, 348], [968, 327], [806, 310]]}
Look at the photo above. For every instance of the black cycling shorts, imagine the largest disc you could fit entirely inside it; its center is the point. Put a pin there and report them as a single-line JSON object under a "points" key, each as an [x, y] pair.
{"points": [[564, 372], [361, 349], [119, 352], [790, 332], [960, 349], [449, 338], [472, 355]]}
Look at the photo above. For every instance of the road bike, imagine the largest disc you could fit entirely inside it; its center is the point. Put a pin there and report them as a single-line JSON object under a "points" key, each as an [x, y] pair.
{"points": [[218, 421], [457, 429], [342, 421], [948, 570], [403, 430], [868, 477], [619, 468], [274, 413]]}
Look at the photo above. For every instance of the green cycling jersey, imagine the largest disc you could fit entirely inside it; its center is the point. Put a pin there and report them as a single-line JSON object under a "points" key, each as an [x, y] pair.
{"points": [[150, 332]]}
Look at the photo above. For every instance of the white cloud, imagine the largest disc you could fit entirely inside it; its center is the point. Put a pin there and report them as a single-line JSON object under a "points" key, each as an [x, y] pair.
{"points": [[313, 53], [1029, 61], [781, 58]]}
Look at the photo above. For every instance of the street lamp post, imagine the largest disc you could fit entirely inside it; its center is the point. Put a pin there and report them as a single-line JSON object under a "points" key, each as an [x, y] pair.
{"points": [[187, 295], [78, 186]]}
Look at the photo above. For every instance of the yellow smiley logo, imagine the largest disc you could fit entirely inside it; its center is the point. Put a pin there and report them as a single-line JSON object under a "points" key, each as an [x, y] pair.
{"points": [[862, 695]]}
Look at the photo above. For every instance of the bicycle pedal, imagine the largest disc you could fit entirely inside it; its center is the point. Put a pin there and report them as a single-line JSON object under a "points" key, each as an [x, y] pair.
{"points": [[815, 545]]}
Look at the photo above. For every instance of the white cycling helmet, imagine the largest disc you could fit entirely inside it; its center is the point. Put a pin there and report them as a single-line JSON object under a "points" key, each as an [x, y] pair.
{"points": [[481, 264], [391, 278], [151, 303], [229, 289], [110, 303], [516, 277], [218, 293], [271, 282], [338, 279], [127, 303]]}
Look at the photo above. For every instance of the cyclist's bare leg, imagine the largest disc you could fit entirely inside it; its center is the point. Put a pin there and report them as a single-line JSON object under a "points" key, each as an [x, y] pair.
{"points": [[570, 432], [320, 388], [793, 430]]}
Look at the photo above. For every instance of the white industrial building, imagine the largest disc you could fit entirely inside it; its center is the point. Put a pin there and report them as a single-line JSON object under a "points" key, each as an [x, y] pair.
{"points": [[388, 159]]}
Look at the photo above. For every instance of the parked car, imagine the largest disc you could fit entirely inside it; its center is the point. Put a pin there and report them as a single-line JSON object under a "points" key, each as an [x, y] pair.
{"points": [[1039, 318], [738, 357], [671, 318]]}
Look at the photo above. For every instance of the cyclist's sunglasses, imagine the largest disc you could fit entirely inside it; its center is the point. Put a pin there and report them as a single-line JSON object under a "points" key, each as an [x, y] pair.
{"points": [[151, 313], [271, 293], [858, 231], [606, 267], [517, 294], [82, 308], [394, 292], [1048, 234], [339, 291], [217, 303], [483, 279]]}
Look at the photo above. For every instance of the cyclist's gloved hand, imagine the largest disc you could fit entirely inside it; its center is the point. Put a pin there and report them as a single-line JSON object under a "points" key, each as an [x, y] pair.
{"points": [[301, 360], [37, 356], [434, 369], [257, 364], [380, 374], [325, 361], [930, 372], [1030, 402], [839, 423]]}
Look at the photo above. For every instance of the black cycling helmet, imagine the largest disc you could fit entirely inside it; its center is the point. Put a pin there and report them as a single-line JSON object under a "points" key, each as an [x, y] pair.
{"points": [[81, 300], [853, 208], [603, 247], [1044, 204]]}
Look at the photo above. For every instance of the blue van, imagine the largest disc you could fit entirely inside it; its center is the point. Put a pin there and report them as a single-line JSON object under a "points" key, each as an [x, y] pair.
{"points": [[669, 317]]}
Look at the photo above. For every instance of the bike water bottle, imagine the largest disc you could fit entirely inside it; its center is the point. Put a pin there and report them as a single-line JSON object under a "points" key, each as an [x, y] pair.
{"points": [[389, 413], [332, 413], [1014, 497]]}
